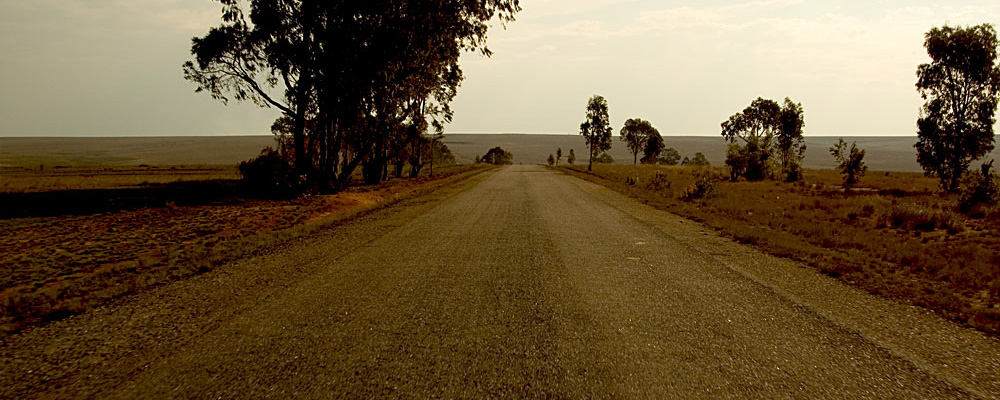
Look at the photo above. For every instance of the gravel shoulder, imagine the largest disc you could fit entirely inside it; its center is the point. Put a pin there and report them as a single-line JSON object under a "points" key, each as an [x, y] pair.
{"points": [[517, 282]]}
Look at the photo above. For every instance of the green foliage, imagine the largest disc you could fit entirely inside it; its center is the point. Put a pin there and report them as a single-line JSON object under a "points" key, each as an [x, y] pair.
{"points": [[604, 158], [653, 148], [496, 156], [791, 145], [980, 189], [639, 135], [551, 160], [767, 132], [596, 128], [961, 88], [751, 161], [704, 185], [359, 79], [669, 156], [699, 160], [850, 161], [268, 175]]}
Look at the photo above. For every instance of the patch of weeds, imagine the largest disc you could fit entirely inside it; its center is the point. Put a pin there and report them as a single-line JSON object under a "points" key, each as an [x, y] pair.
{"points": [[704, 185]]}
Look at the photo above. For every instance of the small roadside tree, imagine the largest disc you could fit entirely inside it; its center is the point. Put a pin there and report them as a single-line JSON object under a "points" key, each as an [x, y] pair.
{"points": [[571, 158], [960, 87], [850, 161], [698, 160], [651, 151], [669, 156], [596, 129], [558, 155], [636, 134], [791, 145], [497, 156], [604, 158], [979, 188], [770, 140], [551, 160], [755, 127]]}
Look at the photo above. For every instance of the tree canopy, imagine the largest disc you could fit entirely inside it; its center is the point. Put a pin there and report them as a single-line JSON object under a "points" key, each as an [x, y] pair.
{"points": [[596, 128], [762, 132], [636, 134], [960, 87], [496, 156], [358, 80]]}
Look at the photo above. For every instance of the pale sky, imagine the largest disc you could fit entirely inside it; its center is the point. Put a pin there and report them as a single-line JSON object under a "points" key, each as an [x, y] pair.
{"points": [[113, 67]]}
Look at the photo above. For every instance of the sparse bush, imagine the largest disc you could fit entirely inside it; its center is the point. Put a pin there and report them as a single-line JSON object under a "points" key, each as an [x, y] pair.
{"points": [[551, 160], [793, 170], [699, 160], [669, 156], [752, 161], [496, 156], [850, 161], [980, 192], [632, 180], [268, 175], [704, 185], [658, 182], [604, 158]]}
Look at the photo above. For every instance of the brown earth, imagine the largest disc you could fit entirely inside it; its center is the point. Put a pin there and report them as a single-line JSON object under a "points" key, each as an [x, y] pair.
{"points": [[53, 267]]}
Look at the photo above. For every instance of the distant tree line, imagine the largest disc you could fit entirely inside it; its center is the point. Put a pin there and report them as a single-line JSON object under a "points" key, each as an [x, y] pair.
{"points": [[961, 89], [359, 83]]}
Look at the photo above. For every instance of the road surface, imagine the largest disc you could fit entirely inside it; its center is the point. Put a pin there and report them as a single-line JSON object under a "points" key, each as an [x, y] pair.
{"points": [[520, 282]]}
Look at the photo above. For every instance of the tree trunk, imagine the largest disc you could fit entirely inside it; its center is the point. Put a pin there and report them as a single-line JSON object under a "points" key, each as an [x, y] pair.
{"points": [[590, 163]]}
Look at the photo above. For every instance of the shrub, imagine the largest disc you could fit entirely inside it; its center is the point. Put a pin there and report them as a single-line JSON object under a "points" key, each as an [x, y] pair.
{"points": [[703, 186], [496, 156], [850, 161], [793, 171], [751, 161], [268, 175], [658, 182], [699, 160], [980, 191], [669, 156], [604, 158]]}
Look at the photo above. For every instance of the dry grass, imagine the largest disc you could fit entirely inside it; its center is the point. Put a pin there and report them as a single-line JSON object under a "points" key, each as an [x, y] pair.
{"points": [[57, 266], [23, 179], [893, 235]]}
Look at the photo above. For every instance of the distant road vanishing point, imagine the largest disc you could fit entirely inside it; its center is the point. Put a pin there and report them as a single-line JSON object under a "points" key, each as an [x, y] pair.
{"points": [[518, 282]]}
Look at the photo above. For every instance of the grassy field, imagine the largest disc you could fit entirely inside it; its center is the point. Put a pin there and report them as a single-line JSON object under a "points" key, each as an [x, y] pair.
{"points": [[52, 267], [893, 235], [23, 179]]}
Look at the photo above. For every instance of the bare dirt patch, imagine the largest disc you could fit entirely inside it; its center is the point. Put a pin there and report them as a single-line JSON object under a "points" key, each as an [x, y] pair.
{"points": [[52, 267]]}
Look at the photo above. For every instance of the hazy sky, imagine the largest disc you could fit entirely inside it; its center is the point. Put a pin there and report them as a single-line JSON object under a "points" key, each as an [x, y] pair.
{"points": [[112, 67]]}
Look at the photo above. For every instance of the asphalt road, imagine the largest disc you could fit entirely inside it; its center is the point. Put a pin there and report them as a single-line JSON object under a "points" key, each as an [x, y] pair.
{"points": [[518, 283]]}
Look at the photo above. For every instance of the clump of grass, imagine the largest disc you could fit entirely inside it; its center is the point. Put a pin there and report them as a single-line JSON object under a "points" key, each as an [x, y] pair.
{"points": [[659, 181], [916, 217], [704, 185]]}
